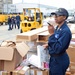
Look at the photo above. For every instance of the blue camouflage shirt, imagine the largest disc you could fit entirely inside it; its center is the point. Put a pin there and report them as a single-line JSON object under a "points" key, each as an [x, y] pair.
{"points": [[60, 40]]}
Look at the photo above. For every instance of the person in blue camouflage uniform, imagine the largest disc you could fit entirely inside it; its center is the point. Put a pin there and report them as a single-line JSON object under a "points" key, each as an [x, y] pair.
{"points": [[9, 23], [18, 19], [58, 43]]}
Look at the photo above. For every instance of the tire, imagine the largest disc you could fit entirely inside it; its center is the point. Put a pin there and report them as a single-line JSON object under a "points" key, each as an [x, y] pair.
{"points": [[1, 23], [33, 28], [21, 31], [6, 23]]}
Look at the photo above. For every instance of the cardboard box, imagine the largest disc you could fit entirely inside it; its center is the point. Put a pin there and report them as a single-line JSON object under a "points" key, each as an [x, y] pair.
{"points": [[43, 37], [72, 43], [5, 73], [36, 71], [72, 28], [30, 71], [72, 67], [73, 37], [21, 70], [71, 53], [30, 35], [11, 57], [24, 71], [15, 72], [68, 73]]}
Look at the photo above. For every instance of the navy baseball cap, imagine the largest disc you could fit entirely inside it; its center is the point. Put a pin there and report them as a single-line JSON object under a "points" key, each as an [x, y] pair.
{"points": [[61, 12]]}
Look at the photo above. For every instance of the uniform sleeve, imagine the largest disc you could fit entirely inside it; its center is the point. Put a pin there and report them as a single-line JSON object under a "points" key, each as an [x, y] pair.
{"points": [[20, 18], [60, 44]]}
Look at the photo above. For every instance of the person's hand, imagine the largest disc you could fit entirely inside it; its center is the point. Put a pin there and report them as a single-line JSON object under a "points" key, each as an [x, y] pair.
{"points": [[51, 29], [45, 46]]}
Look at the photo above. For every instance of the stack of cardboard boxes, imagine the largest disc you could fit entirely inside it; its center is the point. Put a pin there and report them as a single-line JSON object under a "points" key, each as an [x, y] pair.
{"points": [[31, 38]]}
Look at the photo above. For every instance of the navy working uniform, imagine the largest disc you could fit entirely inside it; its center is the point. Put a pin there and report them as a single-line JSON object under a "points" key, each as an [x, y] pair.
{"points": [[58, 43], [18, 19], [9, 23]]}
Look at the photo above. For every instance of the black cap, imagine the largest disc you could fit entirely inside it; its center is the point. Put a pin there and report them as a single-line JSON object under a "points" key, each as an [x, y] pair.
{"points": [[61, 12]]}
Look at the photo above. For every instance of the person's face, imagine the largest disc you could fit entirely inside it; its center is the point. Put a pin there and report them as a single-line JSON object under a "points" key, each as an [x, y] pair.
{"points": [[17, 14], [59, 19]]}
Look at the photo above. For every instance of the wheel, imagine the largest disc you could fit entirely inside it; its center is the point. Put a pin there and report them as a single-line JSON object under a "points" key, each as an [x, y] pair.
{"points": [[6, 23], [21, 31], [33, 28], [1, 23]]}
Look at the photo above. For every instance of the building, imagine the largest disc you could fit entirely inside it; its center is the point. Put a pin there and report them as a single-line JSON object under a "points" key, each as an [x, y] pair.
{"points": [[2, 2], [18, 8]]}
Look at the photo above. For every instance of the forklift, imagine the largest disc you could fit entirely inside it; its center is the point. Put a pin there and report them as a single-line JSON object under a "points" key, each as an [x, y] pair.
{"points": [[32, 19]]}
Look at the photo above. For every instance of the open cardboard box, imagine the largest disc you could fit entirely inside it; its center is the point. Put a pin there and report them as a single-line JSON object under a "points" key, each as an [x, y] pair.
{"points": [[72, 67], [11, 57], [71, 53]]}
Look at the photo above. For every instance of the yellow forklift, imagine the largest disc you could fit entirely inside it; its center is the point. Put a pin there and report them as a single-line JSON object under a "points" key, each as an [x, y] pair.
{"points": [[32, 19], [3, 18]]}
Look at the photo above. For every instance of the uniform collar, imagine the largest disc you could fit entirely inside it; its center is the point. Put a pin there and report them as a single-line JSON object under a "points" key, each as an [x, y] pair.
{"points": [[64, 24]]}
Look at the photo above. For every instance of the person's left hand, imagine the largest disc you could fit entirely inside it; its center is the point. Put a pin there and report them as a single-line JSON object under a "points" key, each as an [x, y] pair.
{"points": [[45, 46], [51, 29]]}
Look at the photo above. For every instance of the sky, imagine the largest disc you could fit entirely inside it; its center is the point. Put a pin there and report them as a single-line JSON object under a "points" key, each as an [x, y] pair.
{"points": [[68, 4]]}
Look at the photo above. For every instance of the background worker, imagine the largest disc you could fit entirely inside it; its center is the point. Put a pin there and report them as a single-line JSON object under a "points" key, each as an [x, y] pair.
{"points": [[58, 43], [13, 21], [18, 19], [9, 23]]}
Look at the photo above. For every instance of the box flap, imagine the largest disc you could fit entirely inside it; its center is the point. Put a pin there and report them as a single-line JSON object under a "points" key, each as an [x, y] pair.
{"points": [[4, 43], [6, 53], [22, 48]]}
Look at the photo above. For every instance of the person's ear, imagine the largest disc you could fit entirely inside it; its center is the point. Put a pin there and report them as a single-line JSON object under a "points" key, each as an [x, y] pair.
{"points": [[64, 18]]}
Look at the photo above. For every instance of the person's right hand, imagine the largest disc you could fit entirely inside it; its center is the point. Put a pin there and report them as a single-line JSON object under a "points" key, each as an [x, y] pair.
{"points": [[51, 29]]}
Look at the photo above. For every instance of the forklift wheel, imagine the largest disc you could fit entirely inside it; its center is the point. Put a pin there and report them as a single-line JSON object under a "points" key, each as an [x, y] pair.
{"points": [[6, 23], [1, 23], [33, 28], [21, 31]]}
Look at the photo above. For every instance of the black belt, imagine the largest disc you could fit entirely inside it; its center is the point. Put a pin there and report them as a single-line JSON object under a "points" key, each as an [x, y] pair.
{"points": [[55, 55]]}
